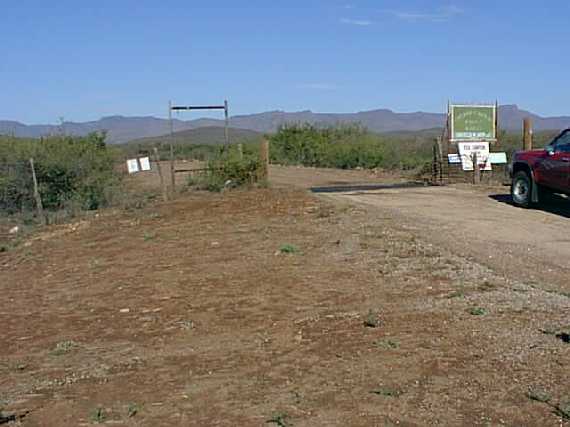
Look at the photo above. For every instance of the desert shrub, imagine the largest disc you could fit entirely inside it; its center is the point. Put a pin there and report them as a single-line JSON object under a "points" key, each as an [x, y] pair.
{"points": [[228, 169], [348, 147], [234, 171], [72, 172]]}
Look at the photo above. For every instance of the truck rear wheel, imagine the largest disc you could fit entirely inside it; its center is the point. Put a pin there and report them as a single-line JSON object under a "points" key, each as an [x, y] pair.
{"points": [[521, 189]]}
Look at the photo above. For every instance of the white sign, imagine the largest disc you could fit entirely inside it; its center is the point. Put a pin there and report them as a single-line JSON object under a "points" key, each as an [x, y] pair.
{"points": [[494, 158], [454, 158], [138, 165], [468, 149], [145, 163], [498, 158], [132, 165]]}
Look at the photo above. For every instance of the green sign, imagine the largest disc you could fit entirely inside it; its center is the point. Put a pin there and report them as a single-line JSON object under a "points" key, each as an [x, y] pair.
{"points": [[473, 122]]}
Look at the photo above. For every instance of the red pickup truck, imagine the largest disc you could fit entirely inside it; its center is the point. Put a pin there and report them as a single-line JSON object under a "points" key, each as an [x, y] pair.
{"points": [[538, 172]]}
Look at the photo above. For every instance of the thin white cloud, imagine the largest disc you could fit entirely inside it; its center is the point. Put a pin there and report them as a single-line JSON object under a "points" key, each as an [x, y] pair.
{"points": [[441, 15], [318, 86], [358, 22]]}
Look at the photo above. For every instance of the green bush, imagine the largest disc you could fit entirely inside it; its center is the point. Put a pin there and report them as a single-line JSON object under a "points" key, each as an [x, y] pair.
{"points": [[229, 170], [348, 147], [72, 172]]}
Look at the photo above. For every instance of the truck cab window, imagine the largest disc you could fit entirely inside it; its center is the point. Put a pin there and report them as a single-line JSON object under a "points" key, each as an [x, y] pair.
{"points": [[562, 143]]}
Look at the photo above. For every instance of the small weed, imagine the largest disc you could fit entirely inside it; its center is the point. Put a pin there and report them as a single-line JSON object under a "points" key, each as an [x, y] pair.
{"points": [[487, 287], [298, 397], [549, 331], [539, 395], [63, 347], [4, 419], [148, 237], [372, 319], [555, 292], [288, 248], [95, 263], [279, 418], [563, 334], [132, 410], [135, 201], [563, 409], [324, 212], [187, 324], [97, 416], [386, 391], [456, 294], [387, 344], [477, 311]]}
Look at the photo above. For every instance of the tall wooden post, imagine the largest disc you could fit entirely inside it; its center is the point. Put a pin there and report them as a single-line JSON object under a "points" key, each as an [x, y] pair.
{"points": [[264, 161], [476, 169], [37, 197], [172, 171], [162, 181], [440, 160], [527, 133]]}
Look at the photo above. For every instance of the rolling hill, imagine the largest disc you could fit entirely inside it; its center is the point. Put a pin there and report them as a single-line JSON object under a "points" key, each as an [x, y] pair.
{"points": [[208, 135]]}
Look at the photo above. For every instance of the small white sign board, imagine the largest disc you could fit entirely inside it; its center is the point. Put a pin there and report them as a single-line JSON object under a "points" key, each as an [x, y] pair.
{"points": [[468, 149], [145, 163], [132, 165], [494, 158], [498, 158], [140, 164], [454, 158]]}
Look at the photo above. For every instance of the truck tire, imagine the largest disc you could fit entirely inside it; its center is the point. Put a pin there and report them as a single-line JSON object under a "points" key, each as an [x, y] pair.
{"points": [[521, 190]]}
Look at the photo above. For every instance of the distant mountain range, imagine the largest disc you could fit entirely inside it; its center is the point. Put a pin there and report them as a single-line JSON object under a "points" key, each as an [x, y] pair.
{"points": [[123, 129]]}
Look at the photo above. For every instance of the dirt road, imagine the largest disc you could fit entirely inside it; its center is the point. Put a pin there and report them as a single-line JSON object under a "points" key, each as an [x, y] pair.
{"points": [[528, 245]]}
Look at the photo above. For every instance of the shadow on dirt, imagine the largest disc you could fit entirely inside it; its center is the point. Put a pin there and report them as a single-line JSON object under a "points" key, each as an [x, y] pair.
{"points": [[349, 188], [554, 204]]}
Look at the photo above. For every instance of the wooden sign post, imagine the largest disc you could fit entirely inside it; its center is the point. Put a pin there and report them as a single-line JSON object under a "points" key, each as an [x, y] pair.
{"points": [[162, 181], [37, 196], [264, 161], [527, 134]]}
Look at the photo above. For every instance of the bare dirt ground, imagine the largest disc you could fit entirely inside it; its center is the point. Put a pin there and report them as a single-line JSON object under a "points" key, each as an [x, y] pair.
{"points": [[188, 313], [477, 223]]}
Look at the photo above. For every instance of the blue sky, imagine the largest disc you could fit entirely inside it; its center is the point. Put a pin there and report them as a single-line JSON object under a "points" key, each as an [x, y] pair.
{"points": [[84, 60]]}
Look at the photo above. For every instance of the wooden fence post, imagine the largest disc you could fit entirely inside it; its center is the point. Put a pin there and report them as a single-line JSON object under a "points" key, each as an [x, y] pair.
{"points": [[264, 160], [162, 181], [476, 170], [527, 134], [172, 170], [440, 160], [39, 204]]}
